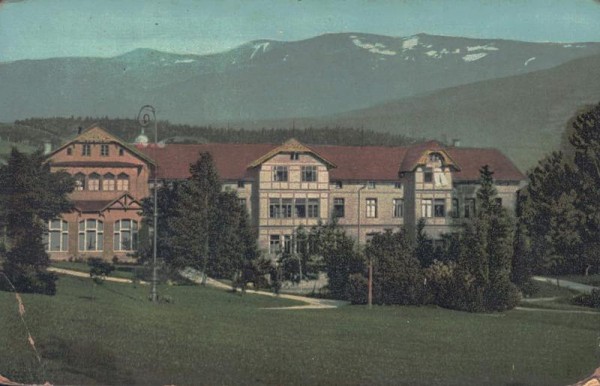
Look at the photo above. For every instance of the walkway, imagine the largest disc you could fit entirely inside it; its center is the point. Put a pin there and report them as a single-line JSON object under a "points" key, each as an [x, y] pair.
{"points": [[311, 303], [566, 284], [70, 272]]}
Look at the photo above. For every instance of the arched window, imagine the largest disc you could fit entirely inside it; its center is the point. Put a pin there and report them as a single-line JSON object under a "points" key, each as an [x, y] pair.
{"points": [[94, 181], [123, 182], [126, 235], [91, 235], [56, 237], [108, 181], [79, 181]]}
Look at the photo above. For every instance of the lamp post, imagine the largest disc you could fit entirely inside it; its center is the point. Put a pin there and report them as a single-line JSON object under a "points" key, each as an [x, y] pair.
{"points": [[144, 120]]}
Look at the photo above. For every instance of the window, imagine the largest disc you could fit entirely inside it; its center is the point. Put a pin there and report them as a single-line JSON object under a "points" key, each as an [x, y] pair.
{"points": [[338, 184], [79, 181], [440, 179], [121, 152], [94, 181], [428, 175], [300, 207], [498, 201], [280, 173], [274, 244], [469, 207], [108, 181], [455, 208], [398, 207], [125, 235], [287, 243], [286, 207], [435, 157], [439, 207], [398, 185], [313, 207], [275, 208], [294, 156], [123, 182], [91, 235], [371, 185], [309, 173], [104, 150], [338, 208], [241, 184], [86, 149], [426, 208], [69, 151], [371, 207], [56, 237]]}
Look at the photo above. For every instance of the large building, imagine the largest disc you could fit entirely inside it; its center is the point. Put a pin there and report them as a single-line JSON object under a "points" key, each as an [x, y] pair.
{"points": [[368, 189]]}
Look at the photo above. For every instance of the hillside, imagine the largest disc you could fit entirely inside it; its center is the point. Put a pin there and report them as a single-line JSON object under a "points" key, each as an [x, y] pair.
{"points": [[522, 115], [268, 79]]}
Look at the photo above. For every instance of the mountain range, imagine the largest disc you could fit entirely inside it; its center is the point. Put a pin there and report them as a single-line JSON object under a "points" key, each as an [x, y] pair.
{"points": [[487, 92]]}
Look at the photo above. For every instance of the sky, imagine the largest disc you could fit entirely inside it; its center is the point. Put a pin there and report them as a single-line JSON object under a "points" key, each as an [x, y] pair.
{"points": [[35, 29]]}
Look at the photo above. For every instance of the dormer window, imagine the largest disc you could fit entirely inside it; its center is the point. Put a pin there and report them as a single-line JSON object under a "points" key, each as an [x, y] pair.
{"points": [[86, 150], [436, 158], [104, 150], [294, 156]]}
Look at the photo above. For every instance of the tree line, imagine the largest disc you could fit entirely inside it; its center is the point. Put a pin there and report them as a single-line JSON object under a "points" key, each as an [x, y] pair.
{"points": [[37, 130]]}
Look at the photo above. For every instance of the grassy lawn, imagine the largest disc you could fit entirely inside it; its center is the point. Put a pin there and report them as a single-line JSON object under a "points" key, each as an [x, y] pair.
{"points": [[589, 279], [110, 334], [121, 270]]}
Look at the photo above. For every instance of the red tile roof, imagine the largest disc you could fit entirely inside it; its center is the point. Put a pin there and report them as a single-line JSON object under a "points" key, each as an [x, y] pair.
{"points": [[377, 163], [471, 160]]}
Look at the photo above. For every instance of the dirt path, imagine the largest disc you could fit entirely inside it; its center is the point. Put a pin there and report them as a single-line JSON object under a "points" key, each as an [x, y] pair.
{"points": [[311, 303], [84, 274], [566, 284], [560, 311]]}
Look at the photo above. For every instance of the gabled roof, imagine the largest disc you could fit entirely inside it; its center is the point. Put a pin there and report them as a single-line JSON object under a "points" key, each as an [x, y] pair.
{"points": [[97, 134], [417, 155], [289, 146], [353, 163]]}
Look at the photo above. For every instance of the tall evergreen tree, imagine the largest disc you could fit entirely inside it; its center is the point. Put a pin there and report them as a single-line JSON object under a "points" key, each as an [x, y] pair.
{"points": [[30, 196]]}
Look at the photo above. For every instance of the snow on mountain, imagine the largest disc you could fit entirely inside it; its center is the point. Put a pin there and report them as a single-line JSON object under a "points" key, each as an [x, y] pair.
{"points": [[474, 57], [486, 47], [376, 48], [264, 46], [410, 43]]}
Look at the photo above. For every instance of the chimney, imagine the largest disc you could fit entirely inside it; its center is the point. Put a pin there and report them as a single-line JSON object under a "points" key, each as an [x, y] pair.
{"points": [[47, 148], [79, 130], [456, 142]]}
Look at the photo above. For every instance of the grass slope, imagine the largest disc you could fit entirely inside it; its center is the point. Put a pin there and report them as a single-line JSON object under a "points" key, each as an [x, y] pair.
{"points": [[110, 334]]}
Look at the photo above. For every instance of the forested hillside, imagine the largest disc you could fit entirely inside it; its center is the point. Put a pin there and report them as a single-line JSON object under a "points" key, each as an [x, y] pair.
{"points": [[35, 131]]}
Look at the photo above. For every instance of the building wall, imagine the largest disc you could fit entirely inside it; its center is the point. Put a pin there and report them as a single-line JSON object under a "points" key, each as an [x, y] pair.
{"points": [[115, 163]]}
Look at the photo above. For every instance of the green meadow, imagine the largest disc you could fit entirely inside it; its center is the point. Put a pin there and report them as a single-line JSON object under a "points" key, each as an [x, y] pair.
{"points": [[111, 334]]}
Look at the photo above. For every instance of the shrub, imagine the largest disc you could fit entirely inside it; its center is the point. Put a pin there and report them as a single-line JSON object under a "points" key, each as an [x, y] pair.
{"points": [[588, 300], [502, 296], [357, 289], [99, 268]]}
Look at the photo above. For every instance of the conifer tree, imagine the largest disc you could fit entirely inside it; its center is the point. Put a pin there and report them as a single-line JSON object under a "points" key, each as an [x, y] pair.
{"points": [[30, 196]]}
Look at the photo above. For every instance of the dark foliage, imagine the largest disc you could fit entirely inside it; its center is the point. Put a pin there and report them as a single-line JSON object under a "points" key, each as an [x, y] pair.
{"points": [[30, 196]]}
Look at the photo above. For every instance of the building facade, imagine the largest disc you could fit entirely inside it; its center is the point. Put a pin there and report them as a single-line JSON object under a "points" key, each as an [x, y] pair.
{"points": [[367, 189]]}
